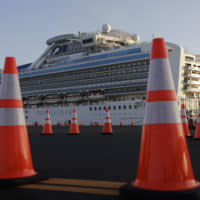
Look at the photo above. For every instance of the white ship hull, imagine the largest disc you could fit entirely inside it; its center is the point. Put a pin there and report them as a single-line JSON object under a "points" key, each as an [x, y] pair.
{"points": [[124, 111]]}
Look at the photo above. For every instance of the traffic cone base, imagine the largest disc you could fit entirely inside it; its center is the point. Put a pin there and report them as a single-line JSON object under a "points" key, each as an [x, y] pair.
{"points": [[197, 131], [107, 129], [74, 130], [47, 130], [197, 128], [186, 129], [158, 147], [184, 120], [129, 191], [13, 140]]}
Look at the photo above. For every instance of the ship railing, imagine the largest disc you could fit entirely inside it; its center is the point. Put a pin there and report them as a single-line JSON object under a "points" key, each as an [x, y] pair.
{"points": [[191, 82], [88, 88], [86, 85]]}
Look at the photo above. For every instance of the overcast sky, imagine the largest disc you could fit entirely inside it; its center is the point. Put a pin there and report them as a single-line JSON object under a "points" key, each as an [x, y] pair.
{"points": [[25, 25]]}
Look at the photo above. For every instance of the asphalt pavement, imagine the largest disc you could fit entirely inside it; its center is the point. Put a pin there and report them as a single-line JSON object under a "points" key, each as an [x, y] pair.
{"points": [[87, 166]]}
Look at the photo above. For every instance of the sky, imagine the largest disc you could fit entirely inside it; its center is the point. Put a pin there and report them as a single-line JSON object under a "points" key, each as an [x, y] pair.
{"points": [[25, 25]]}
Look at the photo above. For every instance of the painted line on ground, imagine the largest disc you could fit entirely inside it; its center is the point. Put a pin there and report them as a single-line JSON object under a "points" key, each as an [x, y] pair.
{"points": [[96, 191], [87, 183]]}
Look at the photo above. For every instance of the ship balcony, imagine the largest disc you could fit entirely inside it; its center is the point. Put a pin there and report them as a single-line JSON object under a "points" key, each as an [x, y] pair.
{"points": [[189, 62], [191, 89], [76, 98], [191, 75], [191, 82], [95, 96], [192, 68], [30, 102]]}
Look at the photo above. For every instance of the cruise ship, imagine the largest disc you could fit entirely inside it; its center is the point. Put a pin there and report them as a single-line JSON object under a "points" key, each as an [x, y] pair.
{"points": [[92, 71]]}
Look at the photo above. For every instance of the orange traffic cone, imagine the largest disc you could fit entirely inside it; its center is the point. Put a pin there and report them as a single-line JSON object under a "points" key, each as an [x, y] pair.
{"points": [[132, 123], [15, 155], [60, 124], [121, 123], [93, 124], [164, 166], [184, 121], [107, 128], [81, 124], [197, 129], [54, 124], [98, 123], [74, 129], [67, 124], [47, 129]]}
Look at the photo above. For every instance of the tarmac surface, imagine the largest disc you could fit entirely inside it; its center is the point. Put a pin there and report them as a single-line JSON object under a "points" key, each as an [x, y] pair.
{"points": [[86, 167]]}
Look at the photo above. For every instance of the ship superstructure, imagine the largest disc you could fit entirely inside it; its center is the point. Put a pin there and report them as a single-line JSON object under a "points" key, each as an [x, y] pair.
{"points": [[92, 71]]}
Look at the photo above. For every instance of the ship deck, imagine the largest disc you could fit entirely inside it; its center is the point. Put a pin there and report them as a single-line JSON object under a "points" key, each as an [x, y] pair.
{"points": [[86, 167]]}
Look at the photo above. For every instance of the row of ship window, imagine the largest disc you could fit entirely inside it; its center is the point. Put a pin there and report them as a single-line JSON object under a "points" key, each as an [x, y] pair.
{"points": [[119, 107], [85, 82], [120, 69]]}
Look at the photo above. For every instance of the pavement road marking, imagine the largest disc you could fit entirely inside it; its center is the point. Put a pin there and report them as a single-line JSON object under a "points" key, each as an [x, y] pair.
{"points": [[97, 191], [88, 183]]}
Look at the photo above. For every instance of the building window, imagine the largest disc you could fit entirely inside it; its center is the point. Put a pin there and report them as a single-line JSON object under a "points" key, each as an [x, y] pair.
{"points": [[124, 107], [114, 107], [119, 107], [95, 108], [90, 108], [104, 107], [109, 107], [130, 106], [99, 107]]}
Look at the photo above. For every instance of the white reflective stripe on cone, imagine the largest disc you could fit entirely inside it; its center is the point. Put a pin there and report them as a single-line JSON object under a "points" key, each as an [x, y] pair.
{"points": [[158, 67], [108, 114], [47, 122], [74, 115], [48, 115], [183, 112], [161, 112], [12, 116], [10, 88], [74, 121], [107, 121]]}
